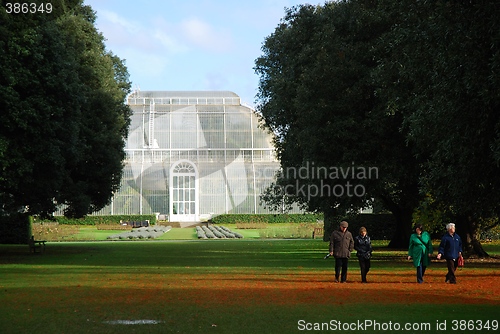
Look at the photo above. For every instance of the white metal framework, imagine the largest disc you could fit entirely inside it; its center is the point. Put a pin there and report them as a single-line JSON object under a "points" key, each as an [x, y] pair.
{"points": [[191, 155]]}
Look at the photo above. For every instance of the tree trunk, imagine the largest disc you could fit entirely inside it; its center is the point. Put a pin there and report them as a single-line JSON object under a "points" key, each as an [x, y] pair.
{"points": [[331, 220], [402, 234], [467, 229], [402, 208]]}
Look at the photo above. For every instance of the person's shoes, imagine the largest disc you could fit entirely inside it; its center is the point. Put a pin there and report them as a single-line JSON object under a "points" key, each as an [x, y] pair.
{"points": [[365, 281], [447, 281], [342, 281], [336, 280]]}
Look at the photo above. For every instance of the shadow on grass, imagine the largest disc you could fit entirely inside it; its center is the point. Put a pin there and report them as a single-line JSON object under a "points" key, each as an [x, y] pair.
{"points": [[278, 254], [262, 286], [226, 307]]}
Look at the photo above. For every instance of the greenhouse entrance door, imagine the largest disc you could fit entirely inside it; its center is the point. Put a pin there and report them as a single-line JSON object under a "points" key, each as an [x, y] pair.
{"points": [[183, 192]]}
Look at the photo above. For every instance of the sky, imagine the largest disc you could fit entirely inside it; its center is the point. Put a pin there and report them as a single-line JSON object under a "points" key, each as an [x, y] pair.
{"points": [[188, 45]]}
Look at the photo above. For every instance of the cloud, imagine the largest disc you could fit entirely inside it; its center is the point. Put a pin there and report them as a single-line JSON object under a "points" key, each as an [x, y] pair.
{"points": [[170, 44], [165, 36], [203, 35], [148, 65], [119, 21], [123, 33]]}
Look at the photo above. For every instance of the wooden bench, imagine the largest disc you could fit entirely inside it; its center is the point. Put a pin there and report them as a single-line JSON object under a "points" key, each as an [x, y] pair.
{"points": [[36, 245], [318, 231]]}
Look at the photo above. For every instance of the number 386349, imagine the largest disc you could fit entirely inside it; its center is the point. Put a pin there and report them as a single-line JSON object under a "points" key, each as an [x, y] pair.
{"points": [[27, 8]]}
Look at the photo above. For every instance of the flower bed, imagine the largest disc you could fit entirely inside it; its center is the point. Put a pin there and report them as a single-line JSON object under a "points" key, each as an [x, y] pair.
{"points": [[216, 232], [53, 231], [141, 233]]}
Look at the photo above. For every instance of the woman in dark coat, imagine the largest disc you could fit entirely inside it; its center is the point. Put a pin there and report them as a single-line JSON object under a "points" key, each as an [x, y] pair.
{"points": [[363, 245]]}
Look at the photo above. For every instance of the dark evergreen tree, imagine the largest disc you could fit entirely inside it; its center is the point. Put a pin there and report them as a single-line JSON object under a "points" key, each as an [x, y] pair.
{"points": [[410, 87], [442, 72], [318, 96], [64, 118]]}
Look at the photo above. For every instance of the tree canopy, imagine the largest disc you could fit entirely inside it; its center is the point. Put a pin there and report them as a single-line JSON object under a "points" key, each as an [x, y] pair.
{"points": [[64, 117], [411, 92], [447, 53]]}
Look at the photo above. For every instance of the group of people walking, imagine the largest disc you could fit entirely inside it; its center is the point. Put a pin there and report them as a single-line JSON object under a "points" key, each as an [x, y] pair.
{"points": [[420, 251]]}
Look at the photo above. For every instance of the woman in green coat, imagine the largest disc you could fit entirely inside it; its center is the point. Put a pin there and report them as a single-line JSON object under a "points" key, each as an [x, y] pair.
{"points": [[420, 250]]}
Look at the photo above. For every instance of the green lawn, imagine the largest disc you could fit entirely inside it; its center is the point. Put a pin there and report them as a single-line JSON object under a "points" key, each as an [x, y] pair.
{"points": [[179, 234], [220, 286], [91, 233]]}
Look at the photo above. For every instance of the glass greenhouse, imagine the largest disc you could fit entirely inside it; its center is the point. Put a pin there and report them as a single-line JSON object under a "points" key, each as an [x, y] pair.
{"points": [[192, 155]]}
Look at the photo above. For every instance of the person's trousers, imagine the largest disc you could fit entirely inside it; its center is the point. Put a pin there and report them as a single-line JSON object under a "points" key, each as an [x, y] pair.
{"points": [[341, 268], [421, 272], [364, 266], [452, 267]]}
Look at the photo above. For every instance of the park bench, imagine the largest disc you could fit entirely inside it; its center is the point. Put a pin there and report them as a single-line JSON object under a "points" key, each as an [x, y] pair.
{"points": [[36, 245], [318, 231]]}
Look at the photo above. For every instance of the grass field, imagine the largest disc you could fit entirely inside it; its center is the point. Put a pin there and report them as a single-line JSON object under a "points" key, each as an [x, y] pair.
{"points": [[92, 233], [234, 286]]}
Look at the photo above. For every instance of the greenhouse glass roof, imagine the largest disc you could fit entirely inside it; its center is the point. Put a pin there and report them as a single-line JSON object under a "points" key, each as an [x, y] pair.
{"points": [[194, 154]]}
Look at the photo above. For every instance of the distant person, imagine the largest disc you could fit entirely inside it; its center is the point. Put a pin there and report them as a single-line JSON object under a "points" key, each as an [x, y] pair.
{"points": [[420, 250], [450, 249], [363, 245], [341, 246]]}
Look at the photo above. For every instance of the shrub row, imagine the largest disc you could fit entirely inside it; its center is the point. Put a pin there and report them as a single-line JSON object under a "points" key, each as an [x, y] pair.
{"points": [[491, 234], [98, 220], [216, 232], [251, 226], [141, 233], [293, 231], [379, 226], [267, 218], [106, 227]]}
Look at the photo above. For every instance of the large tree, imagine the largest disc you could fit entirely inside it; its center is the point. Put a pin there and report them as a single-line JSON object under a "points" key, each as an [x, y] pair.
{"points": [[64, 118], [317, 95], [444, 58], [409, 87]]}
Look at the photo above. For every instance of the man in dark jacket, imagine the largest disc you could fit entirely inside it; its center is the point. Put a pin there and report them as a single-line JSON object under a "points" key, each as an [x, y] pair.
{"points": [[341, 246], [450, 249]]}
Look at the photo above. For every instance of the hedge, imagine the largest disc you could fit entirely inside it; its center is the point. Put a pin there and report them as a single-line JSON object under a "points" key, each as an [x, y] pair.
{"points": [[266, 218], [491, 234], [97, 220], [379, 226]]}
